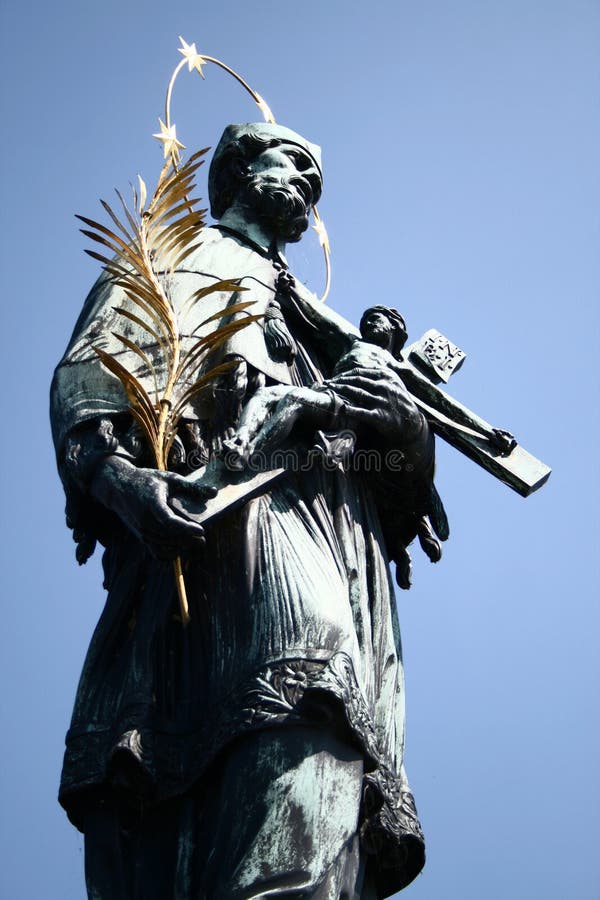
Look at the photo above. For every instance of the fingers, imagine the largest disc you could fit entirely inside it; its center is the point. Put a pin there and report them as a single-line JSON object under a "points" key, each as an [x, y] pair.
{"points": [[144, 508], [199, 490], [362, 381], [396, 404], [191, 488], [363, 415], [389, 375], [369, 372], [358, 397], [167, 535], [164, 547], [177, 526], [382, 389]]}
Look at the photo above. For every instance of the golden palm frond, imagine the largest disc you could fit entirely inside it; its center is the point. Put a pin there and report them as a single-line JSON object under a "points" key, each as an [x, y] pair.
{"points": [[147, 246]]}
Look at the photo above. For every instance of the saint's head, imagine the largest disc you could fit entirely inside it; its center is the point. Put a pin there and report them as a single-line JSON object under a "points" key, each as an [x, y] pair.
{"points": [[270, 172]]}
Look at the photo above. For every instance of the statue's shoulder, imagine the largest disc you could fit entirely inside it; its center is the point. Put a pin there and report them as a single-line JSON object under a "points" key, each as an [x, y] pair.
{"points": [[223, 256]]}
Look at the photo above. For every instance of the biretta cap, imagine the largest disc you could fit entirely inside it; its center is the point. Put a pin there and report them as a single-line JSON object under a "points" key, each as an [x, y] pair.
{"points": [[267, 130]]}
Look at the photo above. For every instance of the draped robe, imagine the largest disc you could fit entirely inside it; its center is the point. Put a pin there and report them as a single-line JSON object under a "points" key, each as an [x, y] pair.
{"points": [[293, 614]]}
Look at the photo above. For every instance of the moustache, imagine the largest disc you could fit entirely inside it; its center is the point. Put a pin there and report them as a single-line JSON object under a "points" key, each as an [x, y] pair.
{"points": [[284, 201], [294, 184]]}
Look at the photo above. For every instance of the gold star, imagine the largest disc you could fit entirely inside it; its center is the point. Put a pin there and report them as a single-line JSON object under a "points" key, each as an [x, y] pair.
{"points": [[322, 235], [264, 108], [191, 56], [168, 136]]}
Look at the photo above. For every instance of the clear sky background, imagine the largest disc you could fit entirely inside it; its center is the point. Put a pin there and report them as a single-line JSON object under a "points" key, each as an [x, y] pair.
{"points": [[461, 145]]}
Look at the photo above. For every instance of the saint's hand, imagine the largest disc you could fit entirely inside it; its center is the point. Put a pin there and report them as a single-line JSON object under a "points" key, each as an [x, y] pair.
{"points": [[142, 500], [377, 398]]}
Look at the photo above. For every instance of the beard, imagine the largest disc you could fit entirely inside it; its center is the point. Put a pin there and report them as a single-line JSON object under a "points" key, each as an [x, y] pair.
{"points": [[282, 204]]}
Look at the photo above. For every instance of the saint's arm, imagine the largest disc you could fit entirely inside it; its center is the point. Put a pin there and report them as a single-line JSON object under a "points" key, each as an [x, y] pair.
{"points": [[108, 487]]}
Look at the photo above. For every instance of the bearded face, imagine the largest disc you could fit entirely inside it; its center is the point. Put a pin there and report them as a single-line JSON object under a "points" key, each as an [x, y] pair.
{"points": [[280, 202]]}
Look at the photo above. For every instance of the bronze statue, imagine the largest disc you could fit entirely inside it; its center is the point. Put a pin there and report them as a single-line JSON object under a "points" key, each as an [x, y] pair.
{"points": [[258, 750]]}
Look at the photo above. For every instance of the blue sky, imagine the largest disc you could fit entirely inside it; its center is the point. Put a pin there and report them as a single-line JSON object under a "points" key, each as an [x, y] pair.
{"points": [[460, 144]]}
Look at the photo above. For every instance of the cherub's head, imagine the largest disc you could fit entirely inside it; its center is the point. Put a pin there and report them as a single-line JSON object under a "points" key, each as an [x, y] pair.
{"points": [[385, 327]]}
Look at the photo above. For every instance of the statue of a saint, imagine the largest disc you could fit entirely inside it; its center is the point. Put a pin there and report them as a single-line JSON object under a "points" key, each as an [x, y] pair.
{"points": [[257, 751]]}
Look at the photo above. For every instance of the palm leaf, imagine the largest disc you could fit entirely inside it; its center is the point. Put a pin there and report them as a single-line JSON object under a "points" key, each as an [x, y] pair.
{"points": [[139, 290], [229, 311], [143, 195], [170, 206], [134, 225], [182, 181], [200, 385], [164, 185], [138, 321], [158, 221], [212, 342], [225, 284], [113, 241], [94, 255], [186, 217], [139, 401], [171, 202], [179, 191], [140, 300], [187, 251], [166, 233], [131, 345], [177, 234], [118, 223], [180, 244]]}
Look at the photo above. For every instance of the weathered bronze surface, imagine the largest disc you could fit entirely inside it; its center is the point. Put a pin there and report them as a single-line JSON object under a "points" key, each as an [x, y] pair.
{"points": [[257, 750]]}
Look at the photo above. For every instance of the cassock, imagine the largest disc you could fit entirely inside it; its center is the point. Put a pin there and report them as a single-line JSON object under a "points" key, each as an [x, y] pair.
{"points": [[293, 614]]}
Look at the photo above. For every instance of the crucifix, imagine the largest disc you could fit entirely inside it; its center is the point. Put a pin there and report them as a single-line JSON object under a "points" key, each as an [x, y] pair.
{"points": [[434, 358], [422, 366]]}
